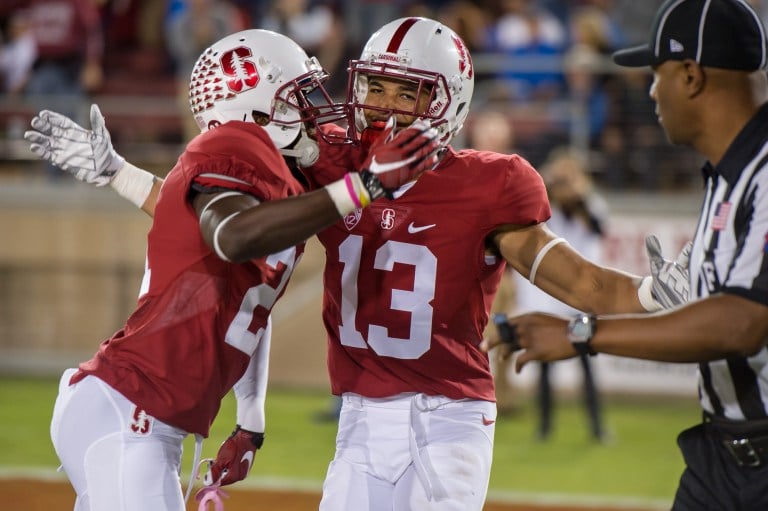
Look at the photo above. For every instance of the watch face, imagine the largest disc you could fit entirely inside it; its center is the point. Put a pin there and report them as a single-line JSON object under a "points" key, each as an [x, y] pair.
{"points": [[580, 329]]}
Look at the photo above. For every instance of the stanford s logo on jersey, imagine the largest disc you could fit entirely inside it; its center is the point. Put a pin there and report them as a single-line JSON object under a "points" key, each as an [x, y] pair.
{"points": [[388, 218], [243, 72]]}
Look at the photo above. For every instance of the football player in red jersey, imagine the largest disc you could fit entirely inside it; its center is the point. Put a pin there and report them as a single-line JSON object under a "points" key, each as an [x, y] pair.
{"points": [[229, 225], [410, 281]]}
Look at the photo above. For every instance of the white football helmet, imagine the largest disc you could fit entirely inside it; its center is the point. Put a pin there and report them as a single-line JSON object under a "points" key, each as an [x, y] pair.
{"points": [[262, 72], [423, 51]]}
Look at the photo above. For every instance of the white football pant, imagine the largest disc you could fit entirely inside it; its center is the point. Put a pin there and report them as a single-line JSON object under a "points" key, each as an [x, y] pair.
{"points": [[116, 457], [410, 452]]}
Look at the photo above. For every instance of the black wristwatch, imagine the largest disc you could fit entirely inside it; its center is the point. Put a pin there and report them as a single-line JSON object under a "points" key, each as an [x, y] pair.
{"points": [[581, 329]]}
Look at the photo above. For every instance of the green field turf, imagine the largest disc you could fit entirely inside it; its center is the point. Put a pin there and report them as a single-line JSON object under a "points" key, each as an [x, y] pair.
{"points": [[640, 462]]}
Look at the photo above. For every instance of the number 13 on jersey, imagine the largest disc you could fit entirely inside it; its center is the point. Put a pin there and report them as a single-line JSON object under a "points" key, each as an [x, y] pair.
{"points": [[416, 301]]}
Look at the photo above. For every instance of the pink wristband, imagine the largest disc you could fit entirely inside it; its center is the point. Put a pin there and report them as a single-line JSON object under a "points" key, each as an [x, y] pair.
{"points": [[351, 189]]}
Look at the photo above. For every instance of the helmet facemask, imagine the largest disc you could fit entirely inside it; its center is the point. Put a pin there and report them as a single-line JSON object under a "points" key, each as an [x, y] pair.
{"points": [[424, 82]]}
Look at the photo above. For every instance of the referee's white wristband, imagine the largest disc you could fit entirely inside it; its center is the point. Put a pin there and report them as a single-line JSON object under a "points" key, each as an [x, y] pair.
{"points": [[133, 183], [646, 297]]}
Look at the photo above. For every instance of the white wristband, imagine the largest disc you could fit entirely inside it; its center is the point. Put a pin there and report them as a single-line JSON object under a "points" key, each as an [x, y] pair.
{"points": [[348, 194], [133, 183], [646, 297]]}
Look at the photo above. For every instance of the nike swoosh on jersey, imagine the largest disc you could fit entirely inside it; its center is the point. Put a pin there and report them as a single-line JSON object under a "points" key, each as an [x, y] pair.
{"points": [[487, 422], [412, 229], [379, 168]]}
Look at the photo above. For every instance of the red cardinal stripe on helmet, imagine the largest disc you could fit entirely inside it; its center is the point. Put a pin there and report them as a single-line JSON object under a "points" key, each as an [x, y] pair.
{"points": [[397, 39]]}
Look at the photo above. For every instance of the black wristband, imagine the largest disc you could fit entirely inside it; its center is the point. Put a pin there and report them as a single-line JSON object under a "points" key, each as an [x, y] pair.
{"points": [[507, 332], [257, 439]]}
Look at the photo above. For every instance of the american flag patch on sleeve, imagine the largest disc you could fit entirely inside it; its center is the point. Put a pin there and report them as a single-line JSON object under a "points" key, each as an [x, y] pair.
{"points": [[720, 219]]}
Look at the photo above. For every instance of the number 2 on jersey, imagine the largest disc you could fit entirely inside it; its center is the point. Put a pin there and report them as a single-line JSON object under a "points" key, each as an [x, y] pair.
{"points": [[416, 302]]}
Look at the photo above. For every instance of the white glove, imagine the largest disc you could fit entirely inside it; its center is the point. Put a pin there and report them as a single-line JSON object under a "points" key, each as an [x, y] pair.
{"points": [[86, 154], [670, 285]]}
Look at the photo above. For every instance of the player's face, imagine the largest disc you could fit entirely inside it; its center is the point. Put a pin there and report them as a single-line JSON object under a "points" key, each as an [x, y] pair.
{"points": [[394, 94]]}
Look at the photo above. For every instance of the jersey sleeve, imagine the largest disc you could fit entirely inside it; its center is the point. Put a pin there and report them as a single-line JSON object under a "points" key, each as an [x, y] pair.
{"points": [[519, 194], [241, 157]]}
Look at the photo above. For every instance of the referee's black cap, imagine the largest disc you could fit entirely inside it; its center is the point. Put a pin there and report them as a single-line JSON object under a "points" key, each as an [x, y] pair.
{"points": [[727, 34]]}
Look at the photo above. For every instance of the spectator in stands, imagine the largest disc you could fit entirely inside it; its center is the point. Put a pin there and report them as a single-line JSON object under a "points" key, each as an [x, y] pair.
{"points": [[192, 26], [18, 53], [471, 20], [536, 39], [318, 28], [70, 46], [593, 37]]}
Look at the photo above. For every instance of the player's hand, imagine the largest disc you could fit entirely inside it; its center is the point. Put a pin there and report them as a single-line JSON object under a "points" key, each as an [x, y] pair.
{"points": [[397, 158], [86, 154], [235, 457], [670, 285], [533, 336]]}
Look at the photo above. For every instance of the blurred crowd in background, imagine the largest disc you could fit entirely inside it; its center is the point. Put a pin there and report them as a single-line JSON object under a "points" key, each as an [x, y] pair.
{"points": [[543, 73]]}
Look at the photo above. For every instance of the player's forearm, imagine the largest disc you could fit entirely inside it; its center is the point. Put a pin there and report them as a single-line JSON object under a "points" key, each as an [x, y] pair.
{"points": [[588, 287], [273, 226], [715, 328]]}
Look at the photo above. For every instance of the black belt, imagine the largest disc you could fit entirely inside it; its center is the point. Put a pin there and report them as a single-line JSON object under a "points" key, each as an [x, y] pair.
{"points": [[745, 441]]}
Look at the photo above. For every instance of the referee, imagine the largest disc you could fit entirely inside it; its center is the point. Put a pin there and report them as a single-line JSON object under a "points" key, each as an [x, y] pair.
{"points": [[710, 88]]}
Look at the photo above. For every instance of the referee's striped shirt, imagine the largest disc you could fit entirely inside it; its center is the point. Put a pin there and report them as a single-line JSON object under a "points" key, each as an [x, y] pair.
{"points": [[730, 255]]}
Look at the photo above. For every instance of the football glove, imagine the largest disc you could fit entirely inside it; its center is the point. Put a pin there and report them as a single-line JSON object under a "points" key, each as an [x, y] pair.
{"points": [[397, 158], [235, 458], [86, 154], [670, 285]]}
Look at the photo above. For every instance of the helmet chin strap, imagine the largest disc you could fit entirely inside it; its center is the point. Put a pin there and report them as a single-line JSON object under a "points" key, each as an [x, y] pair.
{"points": [[305, 150]]}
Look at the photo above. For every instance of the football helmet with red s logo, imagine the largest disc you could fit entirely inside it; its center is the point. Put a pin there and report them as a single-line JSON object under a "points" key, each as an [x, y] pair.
{"points": [[260, 74], [422, 51]]}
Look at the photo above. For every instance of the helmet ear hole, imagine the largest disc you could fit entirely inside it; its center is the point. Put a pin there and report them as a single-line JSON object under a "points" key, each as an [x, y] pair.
{"points": [[460, 109], [260, 118]]}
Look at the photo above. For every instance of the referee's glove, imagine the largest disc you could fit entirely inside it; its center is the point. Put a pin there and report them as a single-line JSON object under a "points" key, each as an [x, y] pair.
{"points": [[671, 285]]}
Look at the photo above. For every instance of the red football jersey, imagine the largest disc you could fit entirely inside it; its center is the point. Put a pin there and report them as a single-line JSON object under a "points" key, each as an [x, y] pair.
{"points": [[199, 318], [408, 284]]}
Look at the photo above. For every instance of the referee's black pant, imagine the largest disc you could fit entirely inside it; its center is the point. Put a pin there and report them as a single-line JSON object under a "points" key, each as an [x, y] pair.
{"points": [[714, 479]]}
